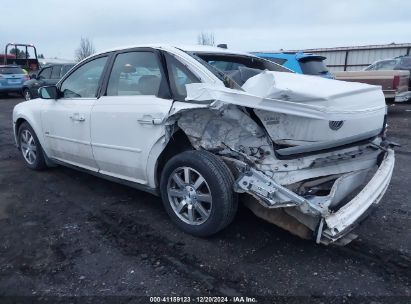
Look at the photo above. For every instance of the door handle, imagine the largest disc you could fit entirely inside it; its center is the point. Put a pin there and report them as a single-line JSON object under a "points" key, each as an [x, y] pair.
{"points": [[77, 117], [150, 120]]}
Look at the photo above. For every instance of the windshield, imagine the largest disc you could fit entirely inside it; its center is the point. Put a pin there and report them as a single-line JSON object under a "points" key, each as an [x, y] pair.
{"points": [[11, 70], [235, 70], [313, 66]]}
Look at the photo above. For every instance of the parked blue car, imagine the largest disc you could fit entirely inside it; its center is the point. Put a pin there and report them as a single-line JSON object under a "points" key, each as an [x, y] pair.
{"points": [[302, 63], [12, 78]]}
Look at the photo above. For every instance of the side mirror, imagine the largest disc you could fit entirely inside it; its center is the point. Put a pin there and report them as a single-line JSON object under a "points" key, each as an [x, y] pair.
{"points": [[33, 76], [49, 92]]}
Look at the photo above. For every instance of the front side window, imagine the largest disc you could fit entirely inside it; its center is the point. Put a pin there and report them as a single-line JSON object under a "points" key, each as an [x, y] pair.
{"points": [[179, 76], [45, 74], [135, 73], [84, 82]]}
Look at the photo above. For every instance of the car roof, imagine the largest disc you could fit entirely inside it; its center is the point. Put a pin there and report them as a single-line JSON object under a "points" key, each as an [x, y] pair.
{"points": [[186, 48], [9, 66], [55, 64]]}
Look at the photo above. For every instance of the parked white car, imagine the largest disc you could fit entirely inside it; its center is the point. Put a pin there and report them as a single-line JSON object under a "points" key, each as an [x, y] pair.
{"points": [[306, 153]]}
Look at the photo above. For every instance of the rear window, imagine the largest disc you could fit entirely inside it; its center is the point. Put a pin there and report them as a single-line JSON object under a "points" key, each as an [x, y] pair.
{"points": [[227, 62], [312, 66], [235, 70], [11, 70]]}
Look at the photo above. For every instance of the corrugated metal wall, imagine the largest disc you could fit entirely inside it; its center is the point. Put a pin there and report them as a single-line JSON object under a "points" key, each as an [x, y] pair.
{"points": [[357, 58]]}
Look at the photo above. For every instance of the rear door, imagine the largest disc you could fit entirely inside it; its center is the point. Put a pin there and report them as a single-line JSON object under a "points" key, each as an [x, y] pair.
{"points": [[129, 118]]}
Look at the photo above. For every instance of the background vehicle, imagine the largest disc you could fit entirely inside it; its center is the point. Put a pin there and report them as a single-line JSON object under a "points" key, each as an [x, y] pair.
{"points": [[5, 57], [25, 56], [12, 78], [169, 121], [302, 63], [48, 75], [394, 82], [398, 63]]}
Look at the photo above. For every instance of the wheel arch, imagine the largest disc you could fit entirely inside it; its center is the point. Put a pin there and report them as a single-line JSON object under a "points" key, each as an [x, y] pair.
{"points": [[35, 126], [160, 154]]}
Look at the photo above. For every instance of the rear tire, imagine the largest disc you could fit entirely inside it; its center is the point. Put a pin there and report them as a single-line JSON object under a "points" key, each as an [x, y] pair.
{"points": [[197, 192], [30, 148]]}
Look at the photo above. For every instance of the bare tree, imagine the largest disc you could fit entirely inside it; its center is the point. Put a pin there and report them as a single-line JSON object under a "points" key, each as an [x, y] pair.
{"points": [[205, 38], [85, 49]]}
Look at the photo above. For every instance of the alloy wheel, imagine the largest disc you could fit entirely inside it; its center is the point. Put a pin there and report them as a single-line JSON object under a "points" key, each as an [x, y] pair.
{"points": [[189, 195], [28, 147]]}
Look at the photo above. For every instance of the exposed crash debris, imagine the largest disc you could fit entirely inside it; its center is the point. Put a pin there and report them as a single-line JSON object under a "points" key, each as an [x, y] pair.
{"points": [[227, 130], [297, 148]]}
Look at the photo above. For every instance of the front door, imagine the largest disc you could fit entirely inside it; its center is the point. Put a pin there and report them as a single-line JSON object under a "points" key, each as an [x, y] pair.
{"points": [[66, 121], [129, 119]]}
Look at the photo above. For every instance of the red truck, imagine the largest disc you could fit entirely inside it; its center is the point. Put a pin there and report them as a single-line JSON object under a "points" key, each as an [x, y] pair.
{"points": [[390, 74]]}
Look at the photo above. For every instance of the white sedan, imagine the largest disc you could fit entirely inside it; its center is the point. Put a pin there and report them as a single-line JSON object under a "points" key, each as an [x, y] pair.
{"points": [[203, 126]]}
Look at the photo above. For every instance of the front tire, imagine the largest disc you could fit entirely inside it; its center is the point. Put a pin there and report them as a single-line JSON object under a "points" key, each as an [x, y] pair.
{"points": [[197, 192], [30, 147], [27, 94]]}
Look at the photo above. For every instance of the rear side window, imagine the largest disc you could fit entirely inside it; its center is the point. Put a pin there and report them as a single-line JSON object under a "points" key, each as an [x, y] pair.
{"points": [[179, 76], [135, 73], [226, 65], [279, 61], [55, 73], [45, 74], [313, 67], [11, 70]]}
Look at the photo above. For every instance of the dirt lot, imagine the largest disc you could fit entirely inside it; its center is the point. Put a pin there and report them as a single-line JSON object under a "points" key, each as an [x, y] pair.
{"points": [[69, 233]]}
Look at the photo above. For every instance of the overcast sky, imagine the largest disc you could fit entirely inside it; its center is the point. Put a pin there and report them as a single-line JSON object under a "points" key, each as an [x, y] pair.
{"points": [[56, 27]]}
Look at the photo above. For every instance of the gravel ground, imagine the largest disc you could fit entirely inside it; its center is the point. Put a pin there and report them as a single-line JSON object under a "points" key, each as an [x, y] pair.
{"points": [[67, 233]]}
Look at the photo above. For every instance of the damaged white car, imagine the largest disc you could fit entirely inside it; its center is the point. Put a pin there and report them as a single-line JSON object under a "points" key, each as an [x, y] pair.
{"points": [[205, 126]]}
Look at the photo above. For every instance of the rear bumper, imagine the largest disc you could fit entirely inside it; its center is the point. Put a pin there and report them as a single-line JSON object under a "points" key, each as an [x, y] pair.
{"points": [[340, 223], [16, 88], [389, 94]]}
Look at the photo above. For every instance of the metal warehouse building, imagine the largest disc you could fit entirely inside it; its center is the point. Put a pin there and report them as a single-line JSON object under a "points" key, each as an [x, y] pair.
{"points": [[354, 58]]}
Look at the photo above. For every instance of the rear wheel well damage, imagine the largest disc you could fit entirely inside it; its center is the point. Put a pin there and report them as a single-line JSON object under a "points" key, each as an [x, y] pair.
{"points": [[177, 143]]}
